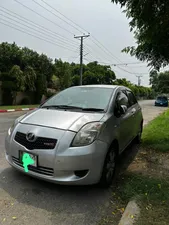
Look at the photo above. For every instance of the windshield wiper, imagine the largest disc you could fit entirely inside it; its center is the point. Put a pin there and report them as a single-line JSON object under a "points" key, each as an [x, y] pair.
{"points": [[72, 107], [93, 109], [61, 107]]}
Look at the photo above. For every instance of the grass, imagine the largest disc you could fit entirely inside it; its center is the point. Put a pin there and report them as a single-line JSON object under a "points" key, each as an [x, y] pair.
{"points": [[156, 133], [18, 106], [152, 195]]}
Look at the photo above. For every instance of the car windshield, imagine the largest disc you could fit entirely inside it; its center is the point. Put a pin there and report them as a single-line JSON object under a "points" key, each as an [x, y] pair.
{"points": [[81, 97], [161, 98]]}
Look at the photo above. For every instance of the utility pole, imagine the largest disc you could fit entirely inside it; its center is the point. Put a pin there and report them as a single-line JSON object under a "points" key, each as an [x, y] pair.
{"points": [[81, 53], [139, 79]]}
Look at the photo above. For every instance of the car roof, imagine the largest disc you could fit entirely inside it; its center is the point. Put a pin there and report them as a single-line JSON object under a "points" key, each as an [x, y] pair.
{"points": [[101, 86]]}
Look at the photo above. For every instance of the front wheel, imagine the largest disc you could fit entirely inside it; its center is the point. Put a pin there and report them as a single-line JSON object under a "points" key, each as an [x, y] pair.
{"points": [[109, 168], [139, 135]]}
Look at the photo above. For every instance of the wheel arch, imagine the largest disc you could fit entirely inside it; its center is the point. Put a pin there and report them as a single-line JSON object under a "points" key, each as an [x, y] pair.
{"points": [[115, 145]]}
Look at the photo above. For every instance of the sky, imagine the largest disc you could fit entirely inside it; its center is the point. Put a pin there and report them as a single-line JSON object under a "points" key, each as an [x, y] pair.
{"points": [[47, 30]]}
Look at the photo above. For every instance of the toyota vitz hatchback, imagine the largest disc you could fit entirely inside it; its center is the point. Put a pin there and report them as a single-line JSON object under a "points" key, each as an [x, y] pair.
{"points": [[76, 136]]}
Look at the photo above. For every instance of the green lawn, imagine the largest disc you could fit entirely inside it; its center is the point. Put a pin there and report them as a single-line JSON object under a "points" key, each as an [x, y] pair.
{"points": [[152, 196], [18, 106], [156, 133]]}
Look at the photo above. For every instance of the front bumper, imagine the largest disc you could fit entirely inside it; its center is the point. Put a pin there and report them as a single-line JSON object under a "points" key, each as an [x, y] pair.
{"points": [[64, 164]]}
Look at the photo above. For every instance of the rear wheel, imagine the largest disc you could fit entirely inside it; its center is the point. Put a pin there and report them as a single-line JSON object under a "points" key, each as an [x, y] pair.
{"points": [[109, 168]]}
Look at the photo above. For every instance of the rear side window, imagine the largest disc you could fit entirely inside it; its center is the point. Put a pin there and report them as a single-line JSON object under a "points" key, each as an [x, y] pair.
{"points": [[132, 98]]}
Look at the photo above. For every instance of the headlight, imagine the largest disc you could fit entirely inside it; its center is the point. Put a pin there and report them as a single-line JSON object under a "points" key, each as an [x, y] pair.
{"points": [[87, 134], [11, 129], [14, 125]]}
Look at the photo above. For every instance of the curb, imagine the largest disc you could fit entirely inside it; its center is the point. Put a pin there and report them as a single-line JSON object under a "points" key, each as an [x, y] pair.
{"points": [[15, 110], [130, 214]]}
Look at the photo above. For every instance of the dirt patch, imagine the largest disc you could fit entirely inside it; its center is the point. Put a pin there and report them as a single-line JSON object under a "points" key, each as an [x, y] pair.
{"points": [[149, 162]]}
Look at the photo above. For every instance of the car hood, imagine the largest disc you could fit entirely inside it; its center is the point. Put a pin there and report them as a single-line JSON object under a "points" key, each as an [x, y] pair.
{"points": [[59, 119]]}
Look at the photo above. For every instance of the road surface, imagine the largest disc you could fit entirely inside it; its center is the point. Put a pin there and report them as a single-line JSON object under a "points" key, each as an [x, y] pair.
{"points": [[30, 201]]}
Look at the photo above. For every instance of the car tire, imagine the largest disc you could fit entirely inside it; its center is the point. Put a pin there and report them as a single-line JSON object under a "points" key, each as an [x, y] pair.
{"points": [[109, 168], [139, 135]]}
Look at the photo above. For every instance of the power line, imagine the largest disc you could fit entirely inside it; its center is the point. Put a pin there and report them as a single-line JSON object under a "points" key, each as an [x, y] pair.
{"points": [[100, 45], [75, 28], [70, 24], [102, 49], [65, 16], [73, 57], [39, 26], [122, 64], [43, 17], [109, 64], [58, 16], [105, 49], [54, 13], [113, 57], [131, 72], [94, 57], [130, 63], [41, 32], [89, 46], [23, 31]]}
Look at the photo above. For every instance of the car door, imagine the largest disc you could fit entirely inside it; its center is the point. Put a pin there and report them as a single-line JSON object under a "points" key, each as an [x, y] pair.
{"points": [[123, 120], [134, 109]]}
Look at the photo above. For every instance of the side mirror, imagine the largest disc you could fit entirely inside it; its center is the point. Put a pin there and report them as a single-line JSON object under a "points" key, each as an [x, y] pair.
{"points": [[123, 109]]}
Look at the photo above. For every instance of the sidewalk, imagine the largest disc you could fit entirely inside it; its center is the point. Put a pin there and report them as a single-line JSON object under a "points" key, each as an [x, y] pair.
{"points": [[4, 109]]}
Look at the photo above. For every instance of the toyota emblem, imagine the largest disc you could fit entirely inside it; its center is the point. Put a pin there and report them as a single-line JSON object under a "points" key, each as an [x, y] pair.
{"points": [[31, 137]]}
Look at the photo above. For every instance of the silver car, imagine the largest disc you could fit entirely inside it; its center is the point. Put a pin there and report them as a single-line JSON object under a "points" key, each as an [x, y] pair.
{"points": [[76, 136]]}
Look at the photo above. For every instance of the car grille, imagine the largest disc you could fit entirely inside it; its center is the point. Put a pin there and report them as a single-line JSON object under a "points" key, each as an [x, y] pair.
{"points": [[39, 169], [40, 143]]}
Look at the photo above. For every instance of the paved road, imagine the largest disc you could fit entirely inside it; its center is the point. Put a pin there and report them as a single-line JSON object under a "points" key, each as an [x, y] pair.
{"points": [[149, 110], [39, 203]]}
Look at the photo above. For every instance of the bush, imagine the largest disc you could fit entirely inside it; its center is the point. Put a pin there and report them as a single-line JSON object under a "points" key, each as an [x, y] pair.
{"points": [[50, 94], [26, 101]]}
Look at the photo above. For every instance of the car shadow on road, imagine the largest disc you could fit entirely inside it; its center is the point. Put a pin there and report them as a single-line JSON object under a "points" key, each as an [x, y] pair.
{"points": [[63, 199]]}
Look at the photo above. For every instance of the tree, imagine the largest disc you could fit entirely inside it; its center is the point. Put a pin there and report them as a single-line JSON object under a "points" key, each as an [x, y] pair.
{"points": [[41, 72], [18, 79], [123, 82], [10, 55], [54, 83], [139, 91], [149, 20], [163, 83], [154, 80], [103, 73], [90, 78], [30, 78], [160, 82], [63, 72], [41, 87]]}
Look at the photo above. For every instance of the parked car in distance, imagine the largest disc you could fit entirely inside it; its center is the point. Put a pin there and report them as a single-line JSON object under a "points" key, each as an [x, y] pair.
{"points": [[161, 101], [76, 136]]}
